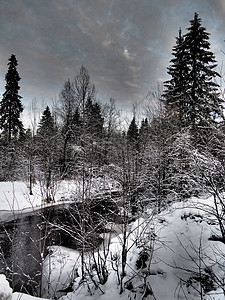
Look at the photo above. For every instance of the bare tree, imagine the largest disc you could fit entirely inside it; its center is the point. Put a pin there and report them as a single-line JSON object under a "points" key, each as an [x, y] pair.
{"points": [[83, 89], [68, 111]]}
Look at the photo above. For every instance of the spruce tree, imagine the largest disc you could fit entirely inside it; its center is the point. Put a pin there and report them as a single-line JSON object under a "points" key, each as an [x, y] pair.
{"points": [[143, 131], [68, 110], [132, 164], [11, 106], [97, 119], [175, 88], [133, 134], [204, 104], [93, 118], [192, 89], [46, 125], [47, 152], [143, 134]]}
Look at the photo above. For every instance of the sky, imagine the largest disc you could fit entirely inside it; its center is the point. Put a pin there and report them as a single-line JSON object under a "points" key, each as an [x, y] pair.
{"points": [[125, 45]]}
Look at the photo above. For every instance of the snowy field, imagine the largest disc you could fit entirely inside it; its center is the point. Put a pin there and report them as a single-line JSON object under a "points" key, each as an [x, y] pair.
{"points": [[183, 262]]}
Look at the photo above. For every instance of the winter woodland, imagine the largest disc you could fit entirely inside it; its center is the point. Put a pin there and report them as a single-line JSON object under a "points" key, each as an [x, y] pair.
{"points": [[95, 209]]}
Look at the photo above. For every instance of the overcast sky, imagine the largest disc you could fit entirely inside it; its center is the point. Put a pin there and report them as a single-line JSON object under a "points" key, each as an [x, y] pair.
{"points": [[125, 44]]}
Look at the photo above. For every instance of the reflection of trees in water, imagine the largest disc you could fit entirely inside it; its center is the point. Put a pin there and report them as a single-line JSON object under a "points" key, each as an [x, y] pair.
{"points": [[23, 242], [26, 255], [20, 254]]}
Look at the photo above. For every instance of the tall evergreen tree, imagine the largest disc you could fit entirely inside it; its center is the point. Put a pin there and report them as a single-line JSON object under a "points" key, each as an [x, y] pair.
{"points": [[46, 125], [11, 106], [175, 88], [143, 134], [204, 102], [192, 88], [143, 131], [47, 152], [98, 119], [133, 134], [93, 118]]}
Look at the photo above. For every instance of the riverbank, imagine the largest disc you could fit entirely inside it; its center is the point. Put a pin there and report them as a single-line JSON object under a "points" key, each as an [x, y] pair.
{"points": [[39, 224], [171, 249], [15, 198]]}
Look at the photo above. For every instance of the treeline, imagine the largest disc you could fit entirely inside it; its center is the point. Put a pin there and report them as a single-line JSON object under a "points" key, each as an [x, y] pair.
{"points": [[171, 155]]}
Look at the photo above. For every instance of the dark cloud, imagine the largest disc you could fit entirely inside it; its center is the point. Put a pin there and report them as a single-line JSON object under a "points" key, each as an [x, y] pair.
{"points": [[125, 44]]}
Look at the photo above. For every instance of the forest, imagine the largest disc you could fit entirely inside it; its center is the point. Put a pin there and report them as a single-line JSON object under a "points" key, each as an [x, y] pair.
{"points": [[175, 152]]}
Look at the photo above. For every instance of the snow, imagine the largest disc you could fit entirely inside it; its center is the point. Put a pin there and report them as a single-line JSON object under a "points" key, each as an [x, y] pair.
{"points": [[20, 296], [178, 244], [15, 198], [180, 237], [59, 268], [7, 294], [5, 290]]}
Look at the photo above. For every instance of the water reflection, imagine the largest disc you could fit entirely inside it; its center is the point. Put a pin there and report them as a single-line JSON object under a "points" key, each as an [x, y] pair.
{"points": [[22, 246], [24, 241]]}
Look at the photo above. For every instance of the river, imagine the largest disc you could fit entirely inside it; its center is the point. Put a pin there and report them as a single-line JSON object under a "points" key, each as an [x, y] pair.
{"points": [[23, 245], [24, 241]]}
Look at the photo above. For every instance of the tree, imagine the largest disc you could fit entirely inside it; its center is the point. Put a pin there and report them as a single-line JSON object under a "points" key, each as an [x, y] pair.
{"points": [[175, 88], [93, 118], [204, 100], [11, 106], [132, 133], [68, 107], [111, 129], [192, 89], [70, 116], [143, 134], [111, 117], [28, 153], [83, 89], [82, 122], [132, 163], [46, 125], [47, 152]]}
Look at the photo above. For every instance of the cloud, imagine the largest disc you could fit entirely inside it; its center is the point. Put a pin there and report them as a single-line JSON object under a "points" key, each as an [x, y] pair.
{"points": [[125, 44]]}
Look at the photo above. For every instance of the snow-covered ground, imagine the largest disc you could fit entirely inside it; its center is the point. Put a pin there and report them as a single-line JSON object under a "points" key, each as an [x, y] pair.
{"points": [[182, 262], [16, 199], [7, 294]]}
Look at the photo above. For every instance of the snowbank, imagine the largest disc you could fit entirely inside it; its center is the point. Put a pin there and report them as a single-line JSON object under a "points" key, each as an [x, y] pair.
{"points": [[20, 296], [7, 294], [182, 264], [16, 199], [5, 290]]}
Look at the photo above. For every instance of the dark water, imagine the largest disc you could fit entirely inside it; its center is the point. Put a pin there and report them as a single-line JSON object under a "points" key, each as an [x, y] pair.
{"points": [[23, 245], [24, 241]]}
